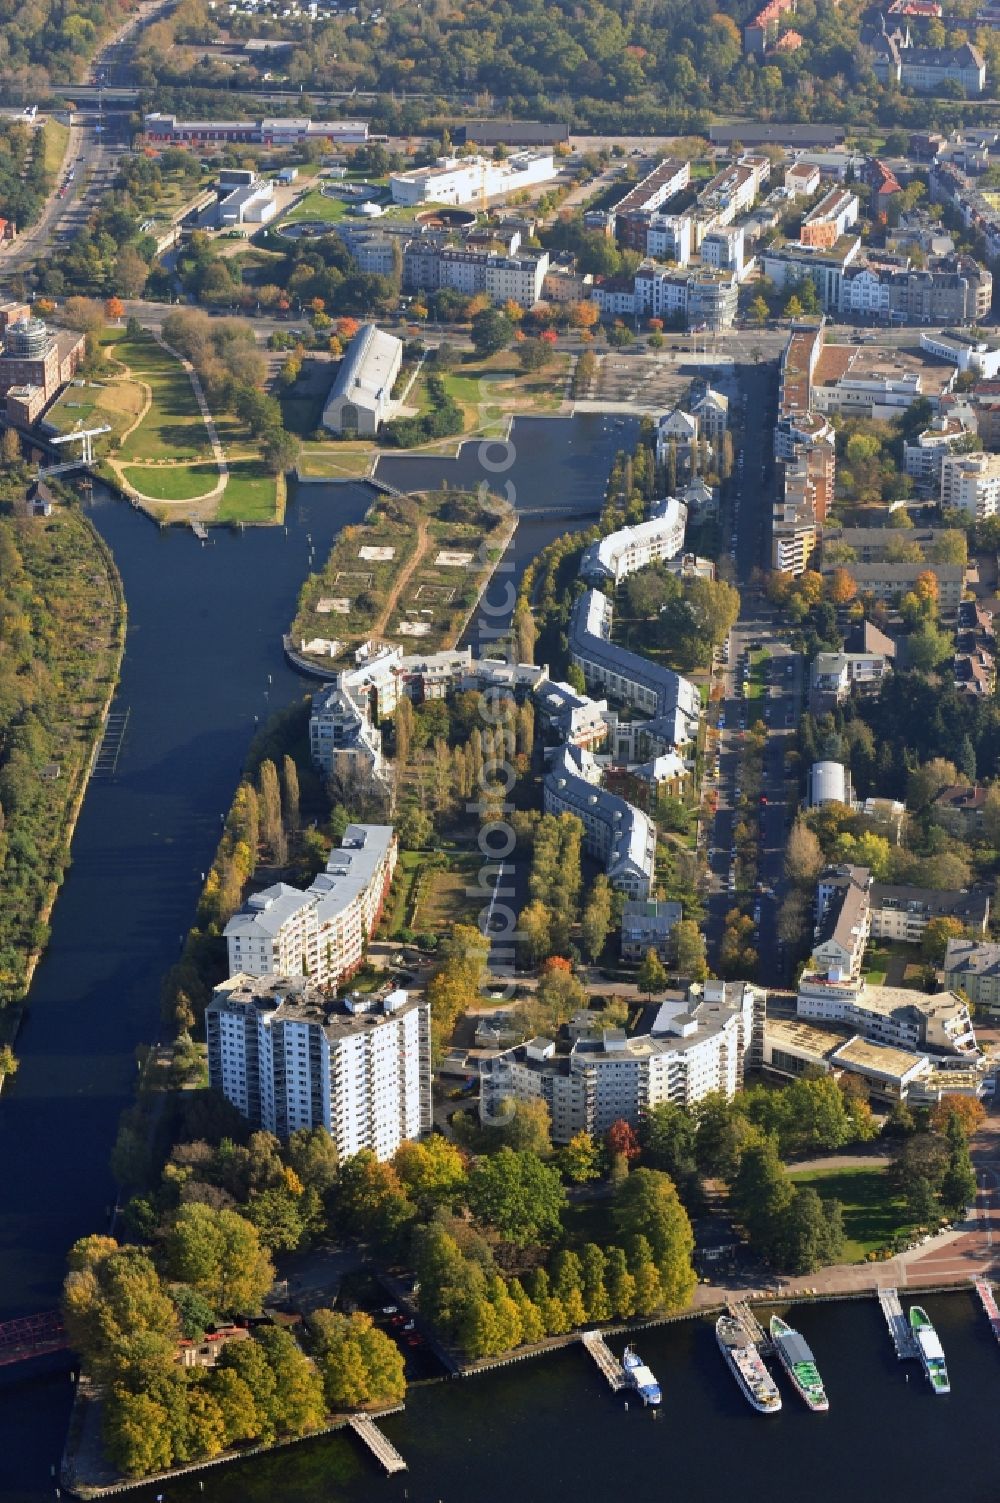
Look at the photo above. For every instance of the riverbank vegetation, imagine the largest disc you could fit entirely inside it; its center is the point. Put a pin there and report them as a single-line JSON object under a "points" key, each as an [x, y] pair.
{"points": [[413, 570], [62, 623]]}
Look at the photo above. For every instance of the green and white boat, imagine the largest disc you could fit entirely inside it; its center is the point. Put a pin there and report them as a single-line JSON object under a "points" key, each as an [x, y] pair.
{"points": [[796, 1358], [929, 1349]]}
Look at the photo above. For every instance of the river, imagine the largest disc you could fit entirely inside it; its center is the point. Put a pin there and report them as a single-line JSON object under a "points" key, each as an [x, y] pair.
{"points": [[203, 663]]}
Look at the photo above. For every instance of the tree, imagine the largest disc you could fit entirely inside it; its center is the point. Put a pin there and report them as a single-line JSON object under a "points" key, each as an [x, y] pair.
{"points": [[431, 1172], [669, 1140], [298, 1388], [760, 1195], [928, 646], [10, 448], [517, 1196], [928, 780], [595, 921], [280, 451], [810, 1232], [970, 1113], [689, 944], [372, 1203], [652, 974], [492, 331], [290, 794], [934, 941], [958, 1185], [532, 354], [312, 1154], [219, 1253], [841, 588], [580, 1159], [359, 1364], [84, 314], [647, 1205], [803, 855], [759, 311], [114, 309], [622, 1141], [272, 830]]}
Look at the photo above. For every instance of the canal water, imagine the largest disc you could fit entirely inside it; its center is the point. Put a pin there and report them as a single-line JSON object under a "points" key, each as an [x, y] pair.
{"points": [[203, 666]]}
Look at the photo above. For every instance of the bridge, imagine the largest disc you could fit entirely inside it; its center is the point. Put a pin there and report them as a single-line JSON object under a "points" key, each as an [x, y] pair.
{"points": [[32, 1336], [82, 436]]}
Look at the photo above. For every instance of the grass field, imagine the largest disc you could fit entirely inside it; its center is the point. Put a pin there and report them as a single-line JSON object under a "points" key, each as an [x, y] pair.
{"points": [[180, 482], [873, 1214], [316, 205], [335, 462], [444, 901], [251, 494], [54, 138], [173, 427], [91, 403]]}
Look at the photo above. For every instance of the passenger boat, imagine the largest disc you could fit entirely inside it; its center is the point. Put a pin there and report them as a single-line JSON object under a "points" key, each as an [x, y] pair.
{"points": [[640, 1378], [929, 1349], [796, 1358], [747, 1365]]}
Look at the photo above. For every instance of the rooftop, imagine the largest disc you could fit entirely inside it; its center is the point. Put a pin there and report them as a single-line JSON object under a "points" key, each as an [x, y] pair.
{"points": [[294, 1000], [878, 1059]]}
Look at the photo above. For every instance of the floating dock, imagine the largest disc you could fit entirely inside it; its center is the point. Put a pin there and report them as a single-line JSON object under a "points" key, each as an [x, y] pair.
{"points": [[382, 1449], [605, 1358], [988, 1301], [740, 1311], [899, 1326]]}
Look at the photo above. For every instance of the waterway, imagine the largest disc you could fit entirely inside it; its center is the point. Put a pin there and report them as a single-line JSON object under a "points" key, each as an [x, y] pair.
{"points": [[203, 664]]}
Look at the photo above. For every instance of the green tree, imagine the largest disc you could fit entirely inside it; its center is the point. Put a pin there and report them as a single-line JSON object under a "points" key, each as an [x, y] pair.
{"points": [[690, 949], [532, 1325], [431, 1172], [652, 974], [810, 1234], [492, 331], [621, 1284], [290, 794], [761, 1194], [358, 1363], [596, 919], [298, 1388], [137, 1433], [219, 1253], [669, 1137], [517, 1196], [580, 1159], [647, 1205], [372, 1203]]}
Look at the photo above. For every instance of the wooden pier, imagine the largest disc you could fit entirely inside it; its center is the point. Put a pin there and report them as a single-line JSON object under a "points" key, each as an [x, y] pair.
{"points": [[988, 1301], [605, 1358], [741, 1311], [108, 749], [200, 531], [899, 1326], [382, 1449]]}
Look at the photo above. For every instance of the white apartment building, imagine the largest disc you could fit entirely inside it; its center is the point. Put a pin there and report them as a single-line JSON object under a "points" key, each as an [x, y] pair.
{"points": [[668, 238], [469, 270], [322, 932], [574, 717], [621, 553], [922, 458], [623, 675], [971, 484], [724, 249], [692, 1046], [289, 1057], [614, 831], [470, 180]]}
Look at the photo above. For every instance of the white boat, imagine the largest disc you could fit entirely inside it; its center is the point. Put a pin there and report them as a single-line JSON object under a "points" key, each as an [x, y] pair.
{"points": [[640, 1378], [929, 1349], [747, 1365]]}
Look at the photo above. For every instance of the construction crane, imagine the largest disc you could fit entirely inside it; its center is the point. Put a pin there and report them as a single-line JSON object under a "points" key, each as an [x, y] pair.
{"points": [[83, 436]]}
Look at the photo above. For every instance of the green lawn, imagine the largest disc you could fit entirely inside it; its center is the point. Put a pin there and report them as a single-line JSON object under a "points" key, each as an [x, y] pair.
{"points": [[180, 482], [173, 426], [873, 1214], [54, 137], [407, 869], [251, 494], [317, 205]]}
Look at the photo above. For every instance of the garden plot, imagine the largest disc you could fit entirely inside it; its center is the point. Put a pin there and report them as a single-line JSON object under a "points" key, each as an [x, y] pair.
{"points": [[339, 605], [356, 577], [413, 629], [450, 558]]}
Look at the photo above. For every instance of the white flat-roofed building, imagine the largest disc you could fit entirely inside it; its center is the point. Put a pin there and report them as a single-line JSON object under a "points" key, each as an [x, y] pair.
{"points": [[361, 396], [668, 238], [288, 1057], [970, 483], [923, 457], [468, 180], [889, 1014], [969, 351], [321, 932], [614, 831], [724, 249], [685, 1048], [621, 553], [793, 1047], [624, 675]]}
